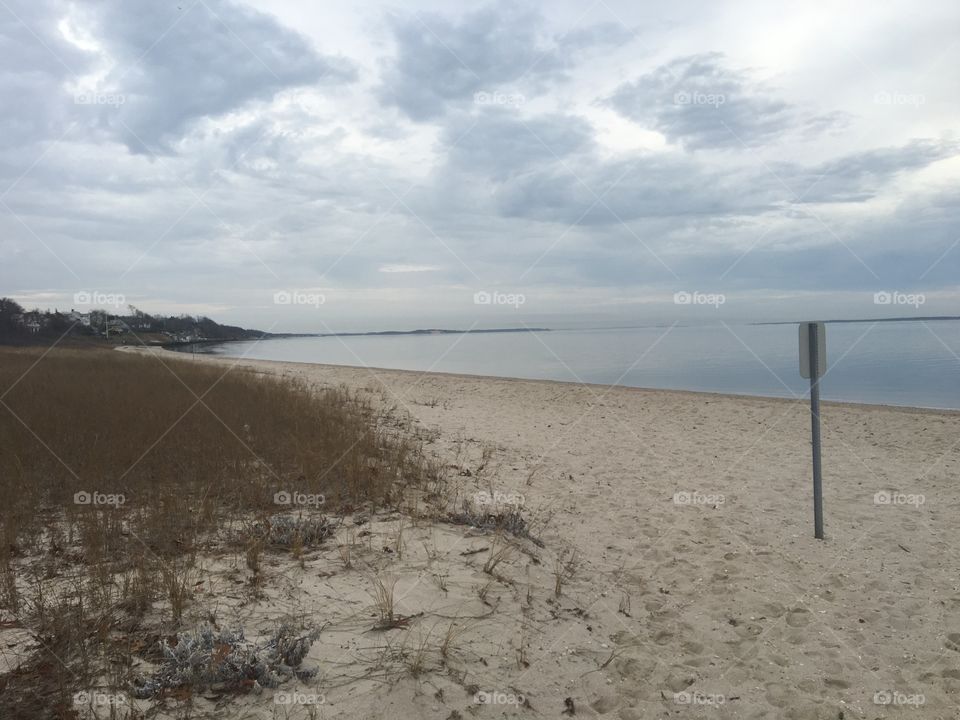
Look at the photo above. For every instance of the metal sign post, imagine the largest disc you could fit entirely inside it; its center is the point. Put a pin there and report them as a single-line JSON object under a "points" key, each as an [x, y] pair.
{"points": [[813, 364]]}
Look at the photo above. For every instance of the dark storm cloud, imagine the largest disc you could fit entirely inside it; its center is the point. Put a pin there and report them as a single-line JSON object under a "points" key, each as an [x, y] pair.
{"points": [[698, 101]]}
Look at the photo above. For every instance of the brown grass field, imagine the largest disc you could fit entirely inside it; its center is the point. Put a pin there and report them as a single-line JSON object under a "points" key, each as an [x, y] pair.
{"points": [[116, 471]]}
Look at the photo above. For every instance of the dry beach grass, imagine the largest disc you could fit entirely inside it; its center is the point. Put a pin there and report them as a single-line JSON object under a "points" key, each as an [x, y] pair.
{"points": [[121, 474]]}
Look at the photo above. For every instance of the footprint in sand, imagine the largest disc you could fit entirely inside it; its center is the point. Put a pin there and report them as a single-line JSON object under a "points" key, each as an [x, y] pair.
{"points": [[836, 683], [772, 610], [691, 647], [663, 637], [798, 617], [777, 694], [953, 641]]}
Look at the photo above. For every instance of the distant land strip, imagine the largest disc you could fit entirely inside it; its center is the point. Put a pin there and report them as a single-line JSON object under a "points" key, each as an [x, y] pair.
{"points": [[866, 320]]}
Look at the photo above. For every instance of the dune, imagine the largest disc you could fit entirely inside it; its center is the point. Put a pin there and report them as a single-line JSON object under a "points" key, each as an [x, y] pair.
{"points": [[680, 527]]}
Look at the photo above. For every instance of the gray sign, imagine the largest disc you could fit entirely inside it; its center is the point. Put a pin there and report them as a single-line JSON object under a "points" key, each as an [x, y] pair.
{"points": [[821, 335]]}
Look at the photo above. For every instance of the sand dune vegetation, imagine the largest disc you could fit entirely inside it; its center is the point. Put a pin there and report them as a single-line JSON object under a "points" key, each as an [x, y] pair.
{"points": [[120, 473]]}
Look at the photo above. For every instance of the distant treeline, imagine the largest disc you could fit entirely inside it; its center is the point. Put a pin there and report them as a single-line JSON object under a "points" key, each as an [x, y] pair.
{"points": [[21, 326]]}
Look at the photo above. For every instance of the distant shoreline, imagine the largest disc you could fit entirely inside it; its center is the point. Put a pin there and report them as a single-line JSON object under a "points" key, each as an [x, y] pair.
{"points": [[867, 320], [286, 336]]}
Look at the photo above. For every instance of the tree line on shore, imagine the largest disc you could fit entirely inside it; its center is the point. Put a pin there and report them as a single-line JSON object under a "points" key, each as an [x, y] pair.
{"points": [[21, 326]]}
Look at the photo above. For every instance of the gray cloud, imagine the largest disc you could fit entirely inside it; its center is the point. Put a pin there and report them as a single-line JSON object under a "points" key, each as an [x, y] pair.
{"points": [[37, 61], [549, 168], [861, 176], [177, 63], [498, 48], [696, 100], [602, 34], [499, 144]]}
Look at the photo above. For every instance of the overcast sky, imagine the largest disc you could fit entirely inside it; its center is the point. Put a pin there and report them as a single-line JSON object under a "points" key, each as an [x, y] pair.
{"points": [[392, 160]]}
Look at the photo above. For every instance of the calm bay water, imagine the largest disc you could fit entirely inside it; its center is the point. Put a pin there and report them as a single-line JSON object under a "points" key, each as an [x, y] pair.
{"points": [[892, 363]]}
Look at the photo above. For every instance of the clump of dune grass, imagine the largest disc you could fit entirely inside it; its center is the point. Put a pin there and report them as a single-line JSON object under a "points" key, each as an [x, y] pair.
{"points": [[382, 594]]}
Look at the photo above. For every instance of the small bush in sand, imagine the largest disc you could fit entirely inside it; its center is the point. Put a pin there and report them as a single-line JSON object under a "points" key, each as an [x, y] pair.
{"points": [[304, 532], [508, 519], [206, 658]]}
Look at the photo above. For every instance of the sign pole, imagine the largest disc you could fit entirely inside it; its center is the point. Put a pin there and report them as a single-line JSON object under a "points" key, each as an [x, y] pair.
{"points": [[815, 372]]}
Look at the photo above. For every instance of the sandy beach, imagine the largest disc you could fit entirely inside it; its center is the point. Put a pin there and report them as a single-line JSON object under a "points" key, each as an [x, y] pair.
{"points": [[699, 589]]}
